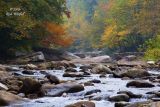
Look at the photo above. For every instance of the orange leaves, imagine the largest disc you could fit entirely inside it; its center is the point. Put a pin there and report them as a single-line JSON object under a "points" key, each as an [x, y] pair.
{"points": [[57, 35]]}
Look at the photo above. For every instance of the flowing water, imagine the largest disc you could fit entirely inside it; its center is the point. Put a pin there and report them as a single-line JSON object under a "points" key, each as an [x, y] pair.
{"points": [[108, 86]]}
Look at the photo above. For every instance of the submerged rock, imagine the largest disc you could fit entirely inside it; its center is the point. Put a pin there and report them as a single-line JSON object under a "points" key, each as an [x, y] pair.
{"points": [[140, 84], [82, 104]]}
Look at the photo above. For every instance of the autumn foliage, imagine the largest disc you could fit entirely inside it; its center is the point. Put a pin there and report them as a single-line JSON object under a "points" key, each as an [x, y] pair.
{"points": [[56, 35]]}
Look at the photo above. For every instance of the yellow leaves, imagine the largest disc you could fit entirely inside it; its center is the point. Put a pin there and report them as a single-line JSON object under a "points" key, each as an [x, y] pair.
{"points": [[123, 33]]}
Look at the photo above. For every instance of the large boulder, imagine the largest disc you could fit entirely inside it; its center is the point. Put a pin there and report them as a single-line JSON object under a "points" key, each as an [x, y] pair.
{"points": [[135, 73], [101, 69], [31, 86], [7, 98], [59, 89], [82, 104], [140, 84]]}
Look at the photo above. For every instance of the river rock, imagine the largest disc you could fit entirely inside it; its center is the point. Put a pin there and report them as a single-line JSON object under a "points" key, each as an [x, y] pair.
{"points": [[4, 74], [71, 74], [140, 84], [101, 69], [52, 79], [135, 73], [59, 89], [92, 91], [121, 104], [100, 97], [30, 67], [13, 84], [70, 69], [130, 94], [3, 87], [119, 97], [82, 104], [7, 98], [28, 72], [95, 81], [31, 86], [145, 104]]}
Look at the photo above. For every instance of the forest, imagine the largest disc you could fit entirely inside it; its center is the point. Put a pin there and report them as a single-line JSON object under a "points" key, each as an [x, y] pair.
{"points": [[83, 25], [79, 53]]}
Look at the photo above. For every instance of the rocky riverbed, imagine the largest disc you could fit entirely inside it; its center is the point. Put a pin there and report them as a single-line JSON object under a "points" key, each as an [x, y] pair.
{"points": [[66, 84]]}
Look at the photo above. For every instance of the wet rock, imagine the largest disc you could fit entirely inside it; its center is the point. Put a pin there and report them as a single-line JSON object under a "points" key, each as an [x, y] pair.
{"points": [[52, 79], [101, 69], [88, 83], [82, 104], [70, 74], [28, 72], [135, 73], [92, 92], [100, 97], [59, 89], [119, 97], [121, 104], [3, 87], [130, 94], [7, 98], [102, 76], [140, 84], [31, 86], [95, 81], [70, 70]]}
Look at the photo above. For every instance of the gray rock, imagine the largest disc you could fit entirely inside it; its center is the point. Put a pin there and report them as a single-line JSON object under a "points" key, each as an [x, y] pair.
{"points": [[101, 69], [140, 84], [119, 97], [7, 98], [59, 89]]}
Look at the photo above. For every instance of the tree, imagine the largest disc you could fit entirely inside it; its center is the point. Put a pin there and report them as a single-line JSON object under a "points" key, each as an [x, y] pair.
{"points": [[22, 22]]}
